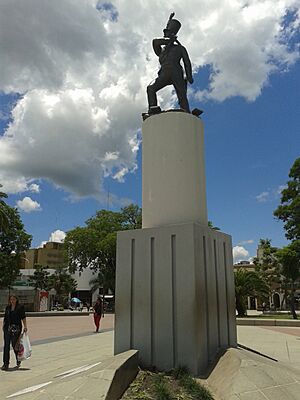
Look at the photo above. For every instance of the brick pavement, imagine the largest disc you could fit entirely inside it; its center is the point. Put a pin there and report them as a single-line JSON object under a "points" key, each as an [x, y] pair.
{"points": [[42, 328], [286, 330]]}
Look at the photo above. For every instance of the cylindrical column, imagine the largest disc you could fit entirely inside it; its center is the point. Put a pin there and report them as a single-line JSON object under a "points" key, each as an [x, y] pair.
{"points": [[173, 170]]}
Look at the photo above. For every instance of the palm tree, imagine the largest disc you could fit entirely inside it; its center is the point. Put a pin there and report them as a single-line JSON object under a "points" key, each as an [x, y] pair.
{"points": [[248, 283], [62, 282], [4, 220]]}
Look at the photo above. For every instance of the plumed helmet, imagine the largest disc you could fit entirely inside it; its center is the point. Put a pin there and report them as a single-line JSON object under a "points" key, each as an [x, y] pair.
{"points": [[172, 27]]}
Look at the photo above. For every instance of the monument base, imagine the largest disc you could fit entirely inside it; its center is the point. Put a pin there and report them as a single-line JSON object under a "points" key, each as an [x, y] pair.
{"points": [[175, 295]]}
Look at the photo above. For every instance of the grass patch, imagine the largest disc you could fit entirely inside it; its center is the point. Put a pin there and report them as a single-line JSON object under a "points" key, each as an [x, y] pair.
{"points": [[190, 384], [161, 388], [270, 316], [177, 385]]}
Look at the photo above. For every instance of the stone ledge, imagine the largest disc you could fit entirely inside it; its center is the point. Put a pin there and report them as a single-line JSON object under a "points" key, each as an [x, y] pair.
{"points": [[268, 322], [53, 314], [125, 369]]}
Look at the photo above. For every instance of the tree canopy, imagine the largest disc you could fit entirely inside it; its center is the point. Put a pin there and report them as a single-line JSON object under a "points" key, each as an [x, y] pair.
{"points": [[62, 282], [248, 283], [267, 265], [94, 245], [4, 222], [289, 209], [40, 278], [13, 242], [289, 258]]}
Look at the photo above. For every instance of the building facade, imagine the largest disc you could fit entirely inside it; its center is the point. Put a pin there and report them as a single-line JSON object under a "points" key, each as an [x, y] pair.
{"points": [[51, 255]]}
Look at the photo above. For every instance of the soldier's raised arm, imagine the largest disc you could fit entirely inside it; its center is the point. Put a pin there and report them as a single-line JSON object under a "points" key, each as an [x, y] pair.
{"points": [[157, 43], [187, 65]]}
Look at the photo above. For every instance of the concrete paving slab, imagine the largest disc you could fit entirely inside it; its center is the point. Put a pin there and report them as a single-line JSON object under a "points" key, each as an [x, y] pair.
{"points": [[242, 374], [76, 369], [257, 395], [280, 343], [51, 359], [290, 392]]}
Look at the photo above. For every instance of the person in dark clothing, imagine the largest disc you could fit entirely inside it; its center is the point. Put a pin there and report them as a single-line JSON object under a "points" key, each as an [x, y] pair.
{"points": [[14, 317], [98, 312]]}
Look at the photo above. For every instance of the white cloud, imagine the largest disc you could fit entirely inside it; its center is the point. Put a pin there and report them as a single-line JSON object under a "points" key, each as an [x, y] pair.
{"points": [[28, 205], [15, 184], [239, 254], [83, 76], [34, 188], [250, 241], [57, 236], [280, 189], [263, 197]]}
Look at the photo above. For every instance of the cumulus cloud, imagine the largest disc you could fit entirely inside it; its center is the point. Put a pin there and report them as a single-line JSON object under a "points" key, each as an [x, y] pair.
{"points": [[57, 236], [240, 254], [82, 68], [28, 205]]}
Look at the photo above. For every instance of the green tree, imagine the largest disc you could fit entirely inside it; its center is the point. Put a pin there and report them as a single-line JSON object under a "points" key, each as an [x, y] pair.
{"points": [[13, 242], [267, 264], [131, 217], [289, 210], [63, 283], [248, 283], [94, 245], [211, 225], [4, 222], [40, 278], [289, 258], [96, 282]]}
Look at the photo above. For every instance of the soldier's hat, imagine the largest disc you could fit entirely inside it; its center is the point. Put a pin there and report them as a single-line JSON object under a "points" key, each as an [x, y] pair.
{"points": [[172, 27]]}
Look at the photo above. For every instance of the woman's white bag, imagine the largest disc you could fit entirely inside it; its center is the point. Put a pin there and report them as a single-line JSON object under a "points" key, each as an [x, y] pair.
{"points": [[24, 351]]}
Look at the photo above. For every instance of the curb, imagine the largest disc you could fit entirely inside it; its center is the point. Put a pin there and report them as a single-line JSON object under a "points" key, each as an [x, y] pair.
{"points": [[53, 314], [268, 322], [124, 369]]}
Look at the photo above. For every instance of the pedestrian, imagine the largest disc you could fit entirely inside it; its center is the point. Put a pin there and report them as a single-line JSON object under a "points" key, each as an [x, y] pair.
{"points": [[12, 328], [98, 312]]}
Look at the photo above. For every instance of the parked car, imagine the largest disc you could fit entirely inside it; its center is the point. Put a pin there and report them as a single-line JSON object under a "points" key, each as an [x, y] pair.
{"points": [[57, 307]]}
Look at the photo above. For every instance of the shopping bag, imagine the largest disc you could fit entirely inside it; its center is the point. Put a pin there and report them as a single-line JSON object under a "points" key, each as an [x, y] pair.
{"points": [[24, 350]]}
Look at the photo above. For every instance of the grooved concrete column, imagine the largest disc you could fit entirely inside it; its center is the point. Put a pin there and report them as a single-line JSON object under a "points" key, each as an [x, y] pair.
{"points": [[173, 170]]}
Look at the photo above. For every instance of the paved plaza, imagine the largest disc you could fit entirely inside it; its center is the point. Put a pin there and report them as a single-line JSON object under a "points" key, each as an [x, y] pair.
{"points": [[42, 329], [69, 359]]}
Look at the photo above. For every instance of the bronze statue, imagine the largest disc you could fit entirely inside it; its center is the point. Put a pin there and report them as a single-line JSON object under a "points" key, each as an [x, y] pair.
{"points": [[170, 53]]}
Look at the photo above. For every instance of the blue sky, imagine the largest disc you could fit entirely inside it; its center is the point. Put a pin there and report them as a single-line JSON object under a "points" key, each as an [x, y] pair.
{"points": [[251, 115]]}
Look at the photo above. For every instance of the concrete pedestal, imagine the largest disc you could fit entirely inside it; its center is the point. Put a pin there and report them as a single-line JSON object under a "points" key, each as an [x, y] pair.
{"points": [[175, 295], [175, 287], [173, 170]]}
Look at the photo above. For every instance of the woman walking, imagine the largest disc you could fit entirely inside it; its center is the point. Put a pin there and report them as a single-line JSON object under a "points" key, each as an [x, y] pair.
{"points": [[12, 329], [98, 312]]}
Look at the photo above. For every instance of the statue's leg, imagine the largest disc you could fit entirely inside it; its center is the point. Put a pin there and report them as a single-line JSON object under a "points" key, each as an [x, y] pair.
{"points": [[181, 89], [160, 82]]}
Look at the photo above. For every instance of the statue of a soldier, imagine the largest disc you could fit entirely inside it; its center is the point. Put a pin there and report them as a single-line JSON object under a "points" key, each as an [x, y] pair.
{"points": [[170, 53]]}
